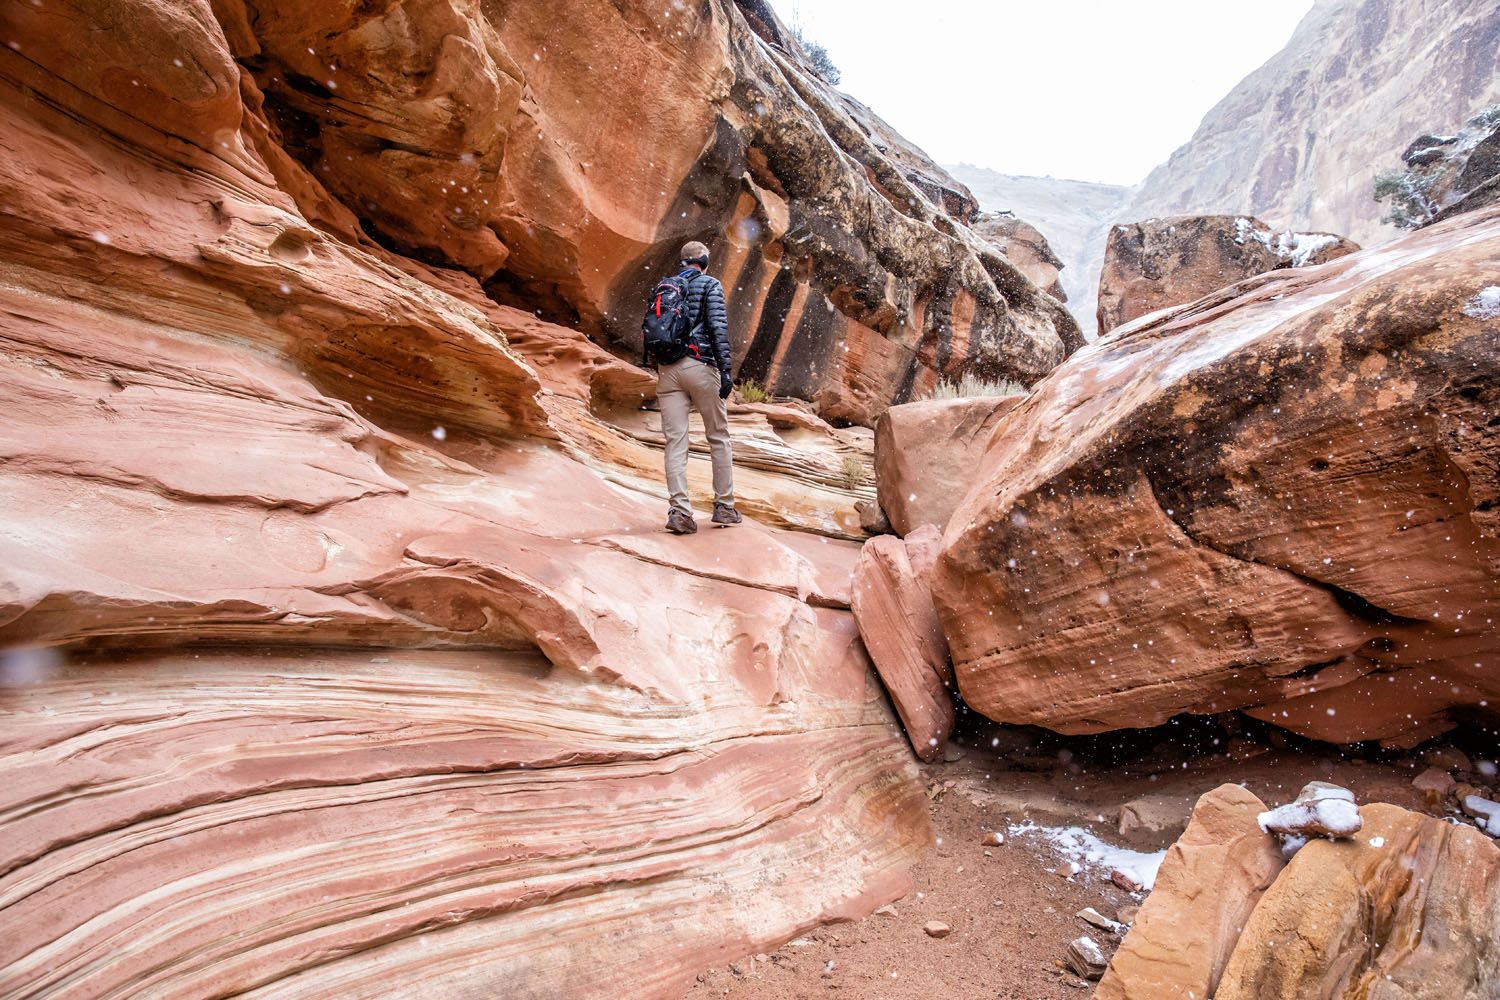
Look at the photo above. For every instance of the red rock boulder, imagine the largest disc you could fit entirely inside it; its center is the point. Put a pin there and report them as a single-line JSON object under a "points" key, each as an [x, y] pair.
{"points": [[1168, 262], [1207, 887], [900, 628], [1409, 907], [926, 454], [1281, 499]]}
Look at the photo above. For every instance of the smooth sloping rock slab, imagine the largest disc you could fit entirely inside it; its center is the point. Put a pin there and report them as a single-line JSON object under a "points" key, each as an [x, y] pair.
{"points": [[900, 628]]}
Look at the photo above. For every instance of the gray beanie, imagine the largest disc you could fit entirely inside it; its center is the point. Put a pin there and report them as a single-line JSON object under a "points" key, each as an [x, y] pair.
{"points": [[695, 253]]}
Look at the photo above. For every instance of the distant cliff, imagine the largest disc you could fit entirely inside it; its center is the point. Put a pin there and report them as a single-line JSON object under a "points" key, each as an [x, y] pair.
{"points": [[1300, 141], [1074, 216]]}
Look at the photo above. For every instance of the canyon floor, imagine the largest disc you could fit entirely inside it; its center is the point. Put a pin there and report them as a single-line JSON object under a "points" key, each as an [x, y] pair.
{"points": [[1011, 913]]}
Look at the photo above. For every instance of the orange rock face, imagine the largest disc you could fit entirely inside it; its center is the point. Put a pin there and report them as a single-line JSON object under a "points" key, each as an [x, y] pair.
{"points": [[926, 454], [1281, 499], [1208, 886], [1169, 262], [1407, 907], [565, 177], [893, 607], [341, 651]]}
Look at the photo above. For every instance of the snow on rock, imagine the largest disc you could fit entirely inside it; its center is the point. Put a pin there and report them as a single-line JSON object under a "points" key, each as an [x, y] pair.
{"points": [[1485, 305], [1486, 813], [1082, 848], [1320, 810]]}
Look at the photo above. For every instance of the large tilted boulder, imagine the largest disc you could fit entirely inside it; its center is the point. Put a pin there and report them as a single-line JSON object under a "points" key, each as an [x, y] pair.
{"points": [[341, 650], [1281, 499], [561, 157], [1408, 907], [926, 454], [1167, 262], [893, 607]]}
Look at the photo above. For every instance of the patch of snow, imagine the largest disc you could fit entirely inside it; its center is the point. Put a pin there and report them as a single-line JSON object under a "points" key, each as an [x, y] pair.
{"points": [[1295, 248], [1300, 248], [1082, 848], [1377, 841], [1485, 305], [1486, 813]]}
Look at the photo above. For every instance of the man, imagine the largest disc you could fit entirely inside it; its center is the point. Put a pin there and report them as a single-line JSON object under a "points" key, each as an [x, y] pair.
{"points": [[700, 380]]}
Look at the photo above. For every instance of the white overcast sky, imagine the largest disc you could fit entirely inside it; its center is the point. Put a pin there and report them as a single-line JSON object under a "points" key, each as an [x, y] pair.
{"points": [[1085, 89]]}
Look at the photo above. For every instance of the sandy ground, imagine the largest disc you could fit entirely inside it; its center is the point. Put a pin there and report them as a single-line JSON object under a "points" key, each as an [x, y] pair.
{"points": [[1011, 913]]}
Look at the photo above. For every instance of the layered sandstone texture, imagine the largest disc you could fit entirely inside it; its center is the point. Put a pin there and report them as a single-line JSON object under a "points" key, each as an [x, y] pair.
{"points": [[1169, 262], [900, 628], [342, 652], [926, 454], [1024, 246], [1283, 498], [1406, 909], [1300, 141], [562, 153]]}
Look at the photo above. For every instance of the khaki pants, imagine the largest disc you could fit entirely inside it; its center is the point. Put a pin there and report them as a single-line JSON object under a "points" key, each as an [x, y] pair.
{"points": [[687, 385]]}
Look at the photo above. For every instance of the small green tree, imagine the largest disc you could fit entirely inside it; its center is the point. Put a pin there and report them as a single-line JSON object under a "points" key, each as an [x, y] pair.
{"points": [[819, 60], [1487, 119], [1408, 193]]}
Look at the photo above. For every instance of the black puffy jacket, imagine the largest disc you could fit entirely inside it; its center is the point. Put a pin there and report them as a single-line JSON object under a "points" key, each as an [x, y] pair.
{"points": [[709, 321]]}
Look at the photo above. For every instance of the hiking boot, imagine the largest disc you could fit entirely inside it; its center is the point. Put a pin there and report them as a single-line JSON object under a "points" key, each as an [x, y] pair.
{"points": [[681, 523], [726, 515]]}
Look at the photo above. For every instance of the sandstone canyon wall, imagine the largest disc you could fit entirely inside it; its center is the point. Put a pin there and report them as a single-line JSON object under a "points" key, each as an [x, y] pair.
{"points": [[1300, 141], [1280, 498], [561, 154], [341, 651]]}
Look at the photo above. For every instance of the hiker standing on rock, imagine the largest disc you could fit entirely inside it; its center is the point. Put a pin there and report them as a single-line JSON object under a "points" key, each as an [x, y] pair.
{"points": [[686, 335]]}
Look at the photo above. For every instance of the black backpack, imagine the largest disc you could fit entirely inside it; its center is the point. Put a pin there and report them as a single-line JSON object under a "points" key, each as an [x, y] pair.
{"points": [[667, 329]]}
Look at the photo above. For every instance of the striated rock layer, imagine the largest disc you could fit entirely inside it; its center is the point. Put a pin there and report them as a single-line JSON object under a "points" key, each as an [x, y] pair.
{"points": [[341, 652], [1282, 498], [1170, 262]]}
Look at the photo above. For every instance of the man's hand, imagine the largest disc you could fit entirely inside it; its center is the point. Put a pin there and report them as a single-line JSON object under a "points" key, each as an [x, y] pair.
{"points": [[726, 386]]}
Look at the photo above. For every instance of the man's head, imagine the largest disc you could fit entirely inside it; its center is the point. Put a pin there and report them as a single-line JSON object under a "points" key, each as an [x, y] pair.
{"points": [[696, 253]]}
